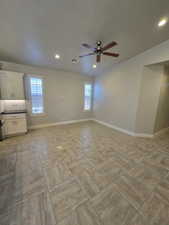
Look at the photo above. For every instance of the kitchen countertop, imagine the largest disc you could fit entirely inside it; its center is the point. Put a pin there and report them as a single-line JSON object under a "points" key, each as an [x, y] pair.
{"points": [[13, 112]]}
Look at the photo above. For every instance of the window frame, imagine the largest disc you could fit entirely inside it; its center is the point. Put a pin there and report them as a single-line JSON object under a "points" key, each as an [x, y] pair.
{"points": [[91, 97], [38, 77]]}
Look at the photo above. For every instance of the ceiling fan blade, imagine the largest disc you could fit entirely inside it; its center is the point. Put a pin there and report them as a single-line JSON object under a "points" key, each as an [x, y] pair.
{"points": [[111, 54], [110, 45], [88, 46], [98, 58], [92, 53]]}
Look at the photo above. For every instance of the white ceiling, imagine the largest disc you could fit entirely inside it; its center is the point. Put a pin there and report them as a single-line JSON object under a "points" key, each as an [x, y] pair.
{"points": [[32, 31]]}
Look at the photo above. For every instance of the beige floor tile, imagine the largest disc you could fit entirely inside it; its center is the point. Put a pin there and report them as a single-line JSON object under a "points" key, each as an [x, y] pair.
{"points": [[149, 173], [82, 215], [160, 158], [7, 163], [163, 190], [113, 208], [6, 193], [151, 208], [56, 175], [66, 197], [163, 216], [132, 189], [35, 211]]}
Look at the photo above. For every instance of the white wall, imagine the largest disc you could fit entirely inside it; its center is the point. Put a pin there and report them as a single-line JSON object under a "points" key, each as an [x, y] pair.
{"points": [[148, 98], [118, 92], [162, 117], [63, 94], [116, 95]]}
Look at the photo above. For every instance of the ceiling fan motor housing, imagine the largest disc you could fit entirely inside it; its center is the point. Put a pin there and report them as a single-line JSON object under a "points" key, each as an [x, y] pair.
{"points": [[98, 48]]}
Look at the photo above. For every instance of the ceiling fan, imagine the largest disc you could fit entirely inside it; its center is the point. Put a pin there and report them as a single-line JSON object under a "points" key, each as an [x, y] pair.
{"points": [[100, 50]]}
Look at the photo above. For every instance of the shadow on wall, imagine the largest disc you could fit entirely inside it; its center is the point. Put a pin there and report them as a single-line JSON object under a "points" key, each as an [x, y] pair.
{"points": [[162, 115]]}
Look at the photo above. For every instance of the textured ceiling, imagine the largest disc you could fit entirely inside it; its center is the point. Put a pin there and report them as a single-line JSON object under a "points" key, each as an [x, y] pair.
{"points": [[32, 31]]}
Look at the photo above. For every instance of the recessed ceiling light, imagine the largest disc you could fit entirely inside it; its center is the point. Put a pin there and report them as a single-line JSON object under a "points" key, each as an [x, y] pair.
{"points": [[94, 65], [162, 22], [57, 56]]}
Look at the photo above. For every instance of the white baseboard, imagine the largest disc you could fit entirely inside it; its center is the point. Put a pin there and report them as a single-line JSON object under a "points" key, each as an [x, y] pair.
{"points": [[58, 123], [143, 135], [97, 121], [161, 131], [124, 131], [115, 127]]}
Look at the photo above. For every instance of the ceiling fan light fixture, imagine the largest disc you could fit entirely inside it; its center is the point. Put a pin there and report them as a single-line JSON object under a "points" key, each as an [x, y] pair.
{"points": [[98, 43]]}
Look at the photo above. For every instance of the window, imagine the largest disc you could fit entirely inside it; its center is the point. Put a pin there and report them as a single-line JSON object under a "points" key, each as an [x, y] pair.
{"points": [[36, 95], [87, 96]]}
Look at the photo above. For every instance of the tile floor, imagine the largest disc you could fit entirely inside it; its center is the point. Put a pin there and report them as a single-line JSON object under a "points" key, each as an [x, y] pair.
{"points": [[84, 174]]}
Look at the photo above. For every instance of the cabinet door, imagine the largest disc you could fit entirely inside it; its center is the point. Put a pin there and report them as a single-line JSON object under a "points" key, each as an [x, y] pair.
{"points": [[11, 84], [14, 126], [3, 85]]}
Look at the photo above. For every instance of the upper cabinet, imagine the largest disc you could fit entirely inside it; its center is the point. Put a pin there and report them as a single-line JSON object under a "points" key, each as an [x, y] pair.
{"points": [[11, 85]]}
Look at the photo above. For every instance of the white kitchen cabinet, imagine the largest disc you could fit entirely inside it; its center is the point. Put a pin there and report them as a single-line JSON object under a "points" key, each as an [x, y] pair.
{"points": [[14, 124], [11, 85]]}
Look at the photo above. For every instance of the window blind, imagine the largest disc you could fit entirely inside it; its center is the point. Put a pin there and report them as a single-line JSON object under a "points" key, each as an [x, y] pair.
{"points": [[87, 96], [36, 95]]}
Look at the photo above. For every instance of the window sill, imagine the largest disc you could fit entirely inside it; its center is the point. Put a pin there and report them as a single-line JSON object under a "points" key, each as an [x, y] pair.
{"points": [[37, 114]]}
